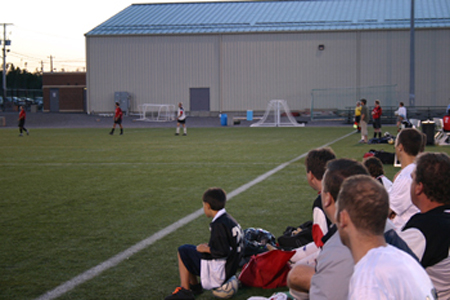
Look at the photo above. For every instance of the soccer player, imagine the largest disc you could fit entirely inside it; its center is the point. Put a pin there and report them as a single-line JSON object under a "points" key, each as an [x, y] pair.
{"points": [[381, 271], [376, 116], [446, 122], [117, 119], [181, 119], [330, 277], [363, 122], [22, 117], [218, 260], [401, 112], [427, 233], [315, 162], [408, 145], [375, 167], [358, 116]]}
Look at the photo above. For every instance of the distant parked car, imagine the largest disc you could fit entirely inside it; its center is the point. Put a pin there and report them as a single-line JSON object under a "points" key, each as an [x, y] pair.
{"points": [[14, 100], [25, 101], [40, 102]]}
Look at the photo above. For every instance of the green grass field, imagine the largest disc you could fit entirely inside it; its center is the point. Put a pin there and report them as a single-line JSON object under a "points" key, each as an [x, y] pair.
{"points": [[73, 198]]}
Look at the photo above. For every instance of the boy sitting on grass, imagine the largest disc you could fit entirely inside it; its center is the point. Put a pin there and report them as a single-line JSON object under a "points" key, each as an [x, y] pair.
{"points": [[215, 262]]}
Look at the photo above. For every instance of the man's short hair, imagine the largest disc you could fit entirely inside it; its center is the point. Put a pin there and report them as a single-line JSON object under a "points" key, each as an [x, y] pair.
{"points": [[367, 203], [364, 101], [317, 159], [337, 171], [412, 140], [377, 102], [433, 171], [402, 104], [374, 166], [215, 197]]}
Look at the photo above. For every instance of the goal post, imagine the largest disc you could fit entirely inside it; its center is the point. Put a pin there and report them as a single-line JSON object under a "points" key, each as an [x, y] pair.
{"points": [[149, 112], [277, 114]]}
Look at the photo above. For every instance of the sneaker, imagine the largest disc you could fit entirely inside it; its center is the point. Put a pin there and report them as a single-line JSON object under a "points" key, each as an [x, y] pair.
{"points": [[181, 294], [196, 289]]}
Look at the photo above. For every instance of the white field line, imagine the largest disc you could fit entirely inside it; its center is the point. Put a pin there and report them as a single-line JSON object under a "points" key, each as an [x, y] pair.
{"points": [[115, 260]]}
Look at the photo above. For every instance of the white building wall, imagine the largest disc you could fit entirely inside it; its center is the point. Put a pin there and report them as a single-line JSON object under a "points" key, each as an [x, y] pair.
{"points": [[262, 67], [156, 69], [385, 61], [246, 71]]}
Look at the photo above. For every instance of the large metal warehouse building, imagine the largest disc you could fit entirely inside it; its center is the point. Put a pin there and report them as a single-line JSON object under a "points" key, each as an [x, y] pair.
{"points": [[236, 56]]}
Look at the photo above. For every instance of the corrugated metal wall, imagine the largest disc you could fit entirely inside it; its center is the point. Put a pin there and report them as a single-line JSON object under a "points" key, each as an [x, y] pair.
{"points": [[263, 67], [246, 71], [156, 69]]}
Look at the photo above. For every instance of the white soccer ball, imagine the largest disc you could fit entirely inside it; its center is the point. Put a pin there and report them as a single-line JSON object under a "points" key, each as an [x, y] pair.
{"points": [[228, 289]]}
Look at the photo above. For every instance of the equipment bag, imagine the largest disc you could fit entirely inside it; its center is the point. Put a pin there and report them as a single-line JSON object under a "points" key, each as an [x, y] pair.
{"points": [[267, 270]]}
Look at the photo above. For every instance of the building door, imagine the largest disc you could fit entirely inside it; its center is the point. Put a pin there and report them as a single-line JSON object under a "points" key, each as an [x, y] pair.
{"points": [[54, 100], [199, 99]]}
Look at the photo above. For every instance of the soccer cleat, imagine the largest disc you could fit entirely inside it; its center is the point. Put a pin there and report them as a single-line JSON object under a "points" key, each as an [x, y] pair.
{"points": [[176, 133], [28, 133], [181, 294], [111, 133], [184, 133], [20, 134], [196, 289]]}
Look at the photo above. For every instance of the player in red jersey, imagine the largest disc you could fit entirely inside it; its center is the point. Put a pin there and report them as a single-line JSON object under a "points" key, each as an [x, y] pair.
{"points": [[376, 116], [117, 119], [22, 117]]}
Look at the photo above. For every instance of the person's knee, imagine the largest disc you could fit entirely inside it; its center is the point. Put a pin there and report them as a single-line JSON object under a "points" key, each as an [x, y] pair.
{"points": [[299, 278], [293, 278]]}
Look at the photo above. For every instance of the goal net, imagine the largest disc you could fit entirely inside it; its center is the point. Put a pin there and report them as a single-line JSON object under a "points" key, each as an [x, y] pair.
{"points": [[156, 112], [277, 114]]}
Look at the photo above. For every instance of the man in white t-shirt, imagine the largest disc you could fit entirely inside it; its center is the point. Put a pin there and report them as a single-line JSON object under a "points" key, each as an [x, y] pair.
{"points": [[401, 112], [381, 271], [408, 144]]}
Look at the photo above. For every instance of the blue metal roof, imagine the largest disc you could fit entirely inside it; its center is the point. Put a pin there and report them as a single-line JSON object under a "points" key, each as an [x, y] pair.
{"points": [[273, 16]]}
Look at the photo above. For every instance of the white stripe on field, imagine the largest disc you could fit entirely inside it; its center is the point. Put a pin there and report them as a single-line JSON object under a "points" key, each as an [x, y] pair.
{"points": [[115, 260]]}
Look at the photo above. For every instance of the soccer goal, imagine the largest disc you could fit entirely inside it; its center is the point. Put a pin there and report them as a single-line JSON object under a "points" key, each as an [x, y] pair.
{"points": [[277, 114], [156, 112]]}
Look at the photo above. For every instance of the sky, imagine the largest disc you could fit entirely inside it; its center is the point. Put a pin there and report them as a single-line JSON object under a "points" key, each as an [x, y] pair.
{"points": [[48, 31]]}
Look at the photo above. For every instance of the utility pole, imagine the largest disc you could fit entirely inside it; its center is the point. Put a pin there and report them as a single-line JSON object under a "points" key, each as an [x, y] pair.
{"points": [[412, 88], [51, 63], [5, 43]]}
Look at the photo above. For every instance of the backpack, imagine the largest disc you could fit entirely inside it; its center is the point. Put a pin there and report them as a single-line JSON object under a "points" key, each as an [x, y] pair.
{"points": [[293, 238], [387, 158], [255, 241]]}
